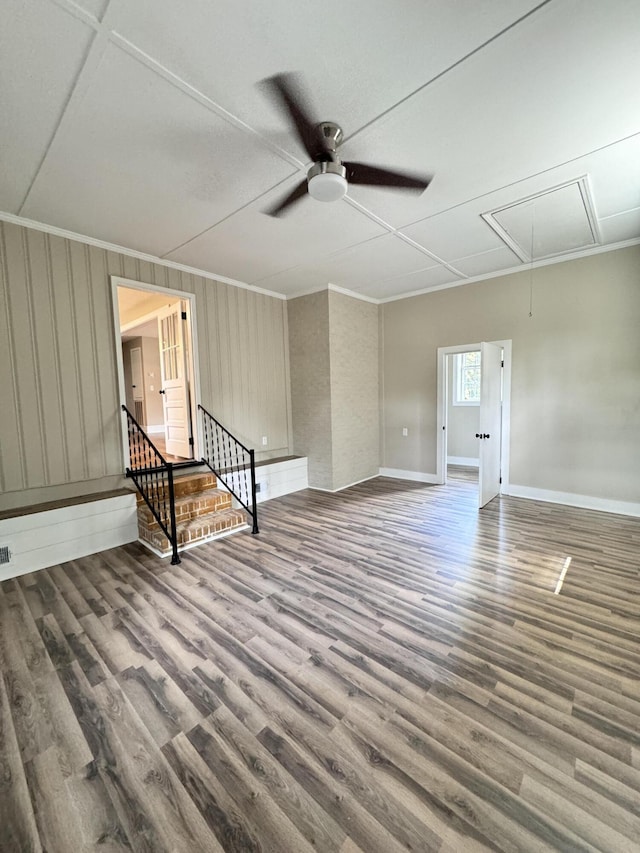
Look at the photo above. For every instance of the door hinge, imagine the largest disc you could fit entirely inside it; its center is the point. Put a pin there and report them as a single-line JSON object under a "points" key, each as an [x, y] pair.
{"points": [[184, 315], [191, 443], [500, 479], [501, 363]]}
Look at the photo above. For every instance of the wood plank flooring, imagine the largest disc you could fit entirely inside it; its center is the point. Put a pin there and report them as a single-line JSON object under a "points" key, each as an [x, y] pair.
{"points": [[380, 670]]}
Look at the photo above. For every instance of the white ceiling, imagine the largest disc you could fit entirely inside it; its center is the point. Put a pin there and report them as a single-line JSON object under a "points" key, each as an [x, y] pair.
{"points": [[143, 125]]}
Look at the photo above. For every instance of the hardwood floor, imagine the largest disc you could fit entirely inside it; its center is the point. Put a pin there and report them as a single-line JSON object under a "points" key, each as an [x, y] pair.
{"points": [[160, 443], [379, 670]]}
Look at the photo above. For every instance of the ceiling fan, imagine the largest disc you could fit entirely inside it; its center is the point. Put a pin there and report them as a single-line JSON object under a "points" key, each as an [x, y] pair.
{"points": [[329, 177]]}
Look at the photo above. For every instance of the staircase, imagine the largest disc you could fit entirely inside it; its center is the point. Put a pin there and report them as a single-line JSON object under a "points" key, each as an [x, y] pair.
{"points": [[202, 512], [176, 512]]}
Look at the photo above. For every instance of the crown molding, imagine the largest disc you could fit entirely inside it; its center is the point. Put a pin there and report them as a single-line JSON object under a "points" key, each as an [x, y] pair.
{"points": [[353, 294], [335, 289], [131, 253], [545, 262]]}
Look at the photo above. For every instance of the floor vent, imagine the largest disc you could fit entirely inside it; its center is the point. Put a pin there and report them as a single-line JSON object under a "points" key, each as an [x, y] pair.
{"points": [[5, 555]]}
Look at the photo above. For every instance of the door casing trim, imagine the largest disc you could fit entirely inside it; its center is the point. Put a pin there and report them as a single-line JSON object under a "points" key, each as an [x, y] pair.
{"points": [[194, 367], [441, 410]]}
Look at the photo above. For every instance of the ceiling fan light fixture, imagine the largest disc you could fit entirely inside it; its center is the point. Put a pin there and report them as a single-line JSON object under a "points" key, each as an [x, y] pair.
{"points": [[327, 181], [327, 187]]}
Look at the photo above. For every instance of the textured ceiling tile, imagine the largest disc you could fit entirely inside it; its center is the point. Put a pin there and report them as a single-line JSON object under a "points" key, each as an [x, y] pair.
{"points": [[41, 53], [143, 165]]}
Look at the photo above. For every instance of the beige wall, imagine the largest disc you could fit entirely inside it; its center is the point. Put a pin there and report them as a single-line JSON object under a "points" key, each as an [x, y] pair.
{"points": [[60, 422], [575, 395], [355, 426], [333, 345], [463, 422], [309, 353]]}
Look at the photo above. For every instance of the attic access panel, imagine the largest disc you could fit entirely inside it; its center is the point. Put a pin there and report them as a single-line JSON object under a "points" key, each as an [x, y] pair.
{"points": [[552, 222]]}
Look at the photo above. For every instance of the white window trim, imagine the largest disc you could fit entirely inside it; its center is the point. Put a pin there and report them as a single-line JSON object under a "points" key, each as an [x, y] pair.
{"points": [[457, 361]]}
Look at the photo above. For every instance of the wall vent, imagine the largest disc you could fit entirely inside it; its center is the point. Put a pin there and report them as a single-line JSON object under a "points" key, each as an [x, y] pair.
{"points": [[5, 555]]}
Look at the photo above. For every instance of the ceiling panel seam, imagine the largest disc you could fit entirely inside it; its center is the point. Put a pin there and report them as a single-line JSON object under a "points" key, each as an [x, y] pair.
{"points": [[83, 80], [390, 228], [224, 218], [449, 68], [515, 183], [204, 100], [620, 213], [78, 12]]}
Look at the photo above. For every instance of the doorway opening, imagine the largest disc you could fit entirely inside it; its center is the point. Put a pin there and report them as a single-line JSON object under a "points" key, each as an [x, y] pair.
{"points": [[157, 370], [474, 404]]}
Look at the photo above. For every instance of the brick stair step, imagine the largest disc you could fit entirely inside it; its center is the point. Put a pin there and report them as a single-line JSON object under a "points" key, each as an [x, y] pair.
{"points": [[197, 529], [189, 484], [190, 506]]}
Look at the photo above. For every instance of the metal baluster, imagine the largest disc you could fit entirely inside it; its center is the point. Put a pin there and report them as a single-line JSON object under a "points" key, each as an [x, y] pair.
{"points": [[175, 559], [253, 491]]}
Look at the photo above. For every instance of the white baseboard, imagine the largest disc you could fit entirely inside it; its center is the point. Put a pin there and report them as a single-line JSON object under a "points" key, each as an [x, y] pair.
{"points": [[416, 476], [42, 539], [155, 429], [467, 461], [281, 478], [342, 488], [570, 499]]}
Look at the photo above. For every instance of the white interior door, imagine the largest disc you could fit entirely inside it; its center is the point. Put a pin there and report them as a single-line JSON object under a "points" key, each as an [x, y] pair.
{"points": [[137, 379], [490, 437], [175, 390]]}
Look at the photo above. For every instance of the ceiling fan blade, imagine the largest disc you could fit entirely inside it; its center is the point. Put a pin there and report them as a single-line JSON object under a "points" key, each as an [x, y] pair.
{"points": [[289, 92], [295, 194], [375, 176]]}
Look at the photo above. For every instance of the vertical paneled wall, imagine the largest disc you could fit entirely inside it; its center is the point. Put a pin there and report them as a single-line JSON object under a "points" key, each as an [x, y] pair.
{"points": [[59, 419]]}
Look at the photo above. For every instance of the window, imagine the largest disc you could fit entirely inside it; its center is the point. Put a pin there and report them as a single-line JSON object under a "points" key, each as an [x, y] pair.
{"points": [[466, 379]]}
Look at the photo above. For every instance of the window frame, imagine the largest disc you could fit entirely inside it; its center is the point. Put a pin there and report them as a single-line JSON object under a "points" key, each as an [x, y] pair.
{"points": [[458, 367]]}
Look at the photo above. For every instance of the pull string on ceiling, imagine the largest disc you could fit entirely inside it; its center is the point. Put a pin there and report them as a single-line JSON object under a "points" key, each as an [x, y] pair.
{"points": [[533, 219]]}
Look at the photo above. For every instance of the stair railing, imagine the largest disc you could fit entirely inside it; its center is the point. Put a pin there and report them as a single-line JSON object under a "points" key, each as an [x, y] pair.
{"points": [[153, 478], [231, 462]]}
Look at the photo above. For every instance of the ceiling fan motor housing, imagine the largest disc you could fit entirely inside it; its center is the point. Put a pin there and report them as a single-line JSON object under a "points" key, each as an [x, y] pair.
{"points": [[331, 134]]}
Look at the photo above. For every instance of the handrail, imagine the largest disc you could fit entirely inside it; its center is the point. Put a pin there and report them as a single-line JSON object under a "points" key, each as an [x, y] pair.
{"points": [[148, 469], [229, 460]]}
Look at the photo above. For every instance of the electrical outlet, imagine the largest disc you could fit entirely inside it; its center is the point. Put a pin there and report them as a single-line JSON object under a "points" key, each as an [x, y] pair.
{"points": [[405, 432], [264, 440]]}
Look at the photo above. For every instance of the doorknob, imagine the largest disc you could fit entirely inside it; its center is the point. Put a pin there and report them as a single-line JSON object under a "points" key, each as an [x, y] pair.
{"points": [[161, 391], [482, 435], [478, 435], [486, 435]]}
